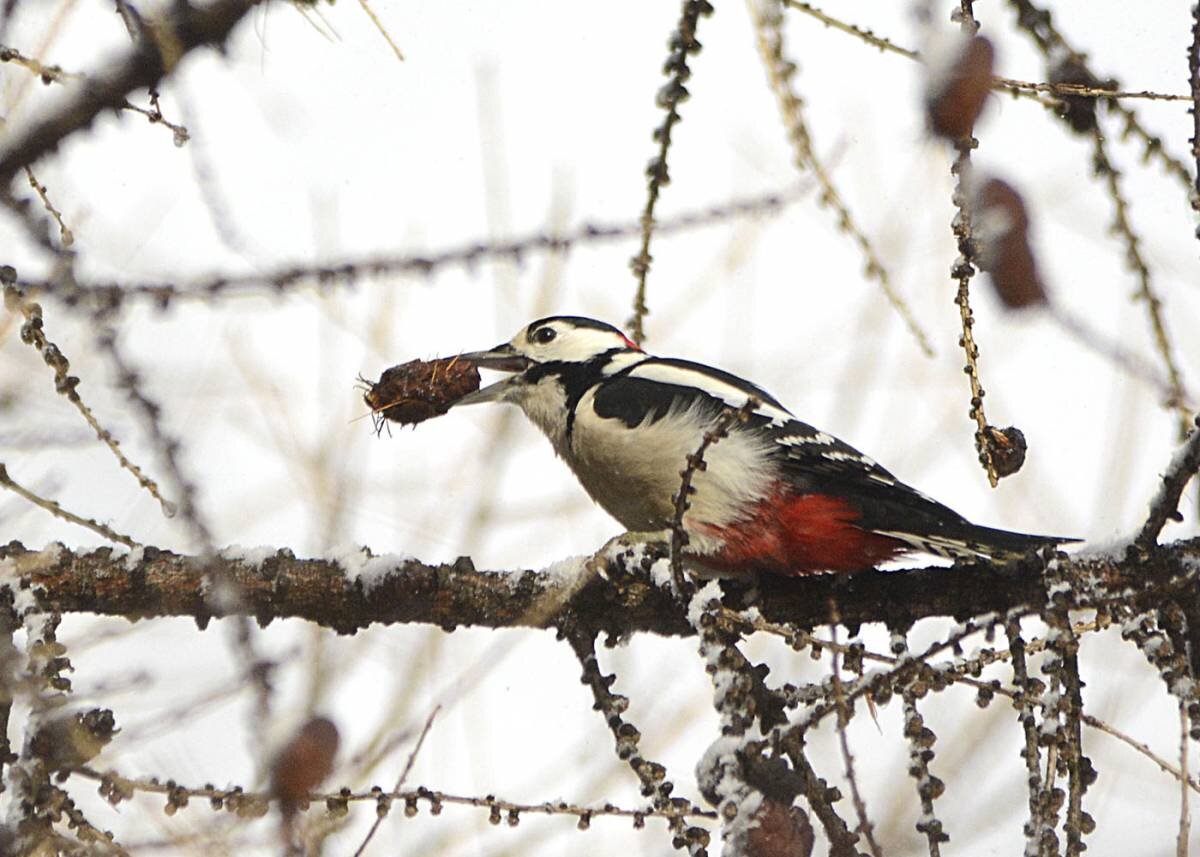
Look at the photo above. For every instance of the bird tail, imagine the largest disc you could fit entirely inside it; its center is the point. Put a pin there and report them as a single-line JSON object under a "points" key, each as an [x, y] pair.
{"points": [[971, 540]]}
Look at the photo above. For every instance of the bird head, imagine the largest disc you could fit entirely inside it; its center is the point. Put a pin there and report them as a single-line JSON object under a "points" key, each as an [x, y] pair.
{"points": [[562, 348]]}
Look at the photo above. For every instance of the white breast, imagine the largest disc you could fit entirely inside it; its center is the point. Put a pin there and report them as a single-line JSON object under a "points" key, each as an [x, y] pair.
{"points": [[634, 473]]}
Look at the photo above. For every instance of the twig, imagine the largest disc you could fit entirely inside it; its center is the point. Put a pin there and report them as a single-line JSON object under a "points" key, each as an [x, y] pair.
{"points": [[768, 21], [185, 27], [412, 757], [821, 798], [1194, 81], [65, 234], [695, 462], [683, 45], [843, 718], [1059, 54], [1185, 810], [1007, 83], [1146, 292], [1062, 665], [1165, 505], [366, 7], [226, 590], [116, 788], [962, 271], [112, 295], [59, 512], [961, 670], [651, 775], [920, 753], [33, 332], [1036, 829], [1152, 144]]}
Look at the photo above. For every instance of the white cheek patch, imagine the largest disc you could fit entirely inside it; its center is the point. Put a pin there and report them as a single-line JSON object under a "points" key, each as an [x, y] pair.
{"points": [[572, 345]]}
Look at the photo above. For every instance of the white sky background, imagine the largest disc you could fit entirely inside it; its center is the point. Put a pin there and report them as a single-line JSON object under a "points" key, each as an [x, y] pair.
{"points": [[508, 119]]}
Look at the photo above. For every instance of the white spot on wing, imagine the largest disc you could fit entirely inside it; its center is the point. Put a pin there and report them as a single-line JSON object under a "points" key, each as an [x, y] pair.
{"points": [[819, 438], [937, 545], [838, 455]]}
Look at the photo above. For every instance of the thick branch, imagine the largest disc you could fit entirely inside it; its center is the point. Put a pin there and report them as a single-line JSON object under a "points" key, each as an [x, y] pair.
{"points": [[152, 57], [161, 583]]}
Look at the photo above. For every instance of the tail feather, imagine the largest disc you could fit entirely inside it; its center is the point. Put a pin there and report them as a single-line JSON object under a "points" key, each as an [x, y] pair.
{"points": [[975, 541]]}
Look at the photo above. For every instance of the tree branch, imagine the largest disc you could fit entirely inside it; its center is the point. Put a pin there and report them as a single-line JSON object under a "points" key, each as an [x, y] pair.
{"points": [[165, 41], [160, 583]]}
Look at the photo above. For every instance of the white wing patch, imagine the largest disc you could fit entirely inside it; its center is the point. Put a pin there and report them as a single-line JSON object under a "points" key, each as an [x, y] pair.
{"points": [[715, 387], [623, 360]]}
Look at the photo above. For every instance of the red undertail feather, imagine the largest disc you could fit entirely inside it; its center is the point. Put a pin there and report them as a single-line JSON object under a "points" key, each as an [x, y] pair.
{"points": [[801, 534]]}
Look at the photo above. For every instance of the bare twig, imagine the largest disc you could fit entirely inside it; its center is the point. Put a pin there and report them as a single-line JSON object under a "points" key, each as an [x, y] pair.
{"points": [[1185, 807], [768, 22], [821, 798], [651, 775], [920, 753], [387, 37], [58, 511], [1006, 83], [1194, 81], [65, 234], [1062, 665], [117, 788], [1136, 262], [33, 332], [181, 30], [695, 462], [683, 45], [1037, 831], [843, 718], [1165, 505], [112, 295], [412, 757]]}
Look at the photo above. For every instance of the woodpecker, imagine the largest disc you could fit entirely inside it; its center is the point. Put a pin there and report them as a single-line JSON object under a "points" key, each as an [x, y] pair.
{"points": [[775, 494]]}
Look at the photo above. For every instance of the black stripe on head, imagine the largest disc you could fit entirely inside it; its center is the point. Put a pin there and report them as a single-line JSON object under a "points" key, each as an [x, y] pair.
{"points": [[575, 320]]}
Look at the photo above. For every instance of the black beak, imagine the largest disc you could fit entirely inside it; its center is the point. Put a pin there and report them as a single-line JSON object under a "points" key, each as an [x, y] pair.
{"points": [[503, 358]]}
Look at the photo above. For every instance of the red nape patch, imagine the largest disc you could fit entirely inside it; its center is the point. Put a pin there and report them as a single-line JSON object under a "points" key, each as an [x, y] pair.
{"points": [[800, 534], [629, 343]]}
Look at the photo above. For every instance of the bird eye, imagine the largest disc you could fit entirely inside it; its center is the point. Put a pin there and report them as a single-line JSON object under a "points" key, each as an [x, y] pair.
{"points": [[544, 334]]}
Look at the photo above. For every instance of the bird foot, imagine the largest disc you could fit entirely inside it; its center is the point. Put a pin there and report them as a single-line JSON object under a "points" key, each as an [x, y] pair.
{"points": [[618, 544]]}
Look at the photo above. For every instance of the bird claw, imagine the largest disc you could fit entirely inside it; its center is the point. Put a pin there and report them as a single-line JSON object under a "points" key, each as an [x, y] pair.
{"points": [[625, 541]]}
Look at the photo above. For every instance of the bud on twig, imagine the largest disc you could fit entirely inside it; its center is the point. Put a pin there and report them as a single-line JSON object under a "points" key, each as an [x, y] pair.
{"points": [[1001, 232], [303, 763], [957, 87]]}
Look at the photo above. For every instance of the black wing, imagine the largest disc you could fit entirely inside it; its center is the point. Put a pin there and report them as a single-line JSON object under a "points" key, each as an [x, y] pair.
{"points": [[819, 463], [648, 390]]}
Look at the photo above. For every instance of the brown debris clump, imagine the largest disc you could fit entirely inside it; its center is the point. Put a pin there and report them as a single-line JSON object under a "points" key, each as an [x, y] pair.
{"points": [[1008, 448], [1002, 236], [303, 763], [956, 94], [420, 390]]}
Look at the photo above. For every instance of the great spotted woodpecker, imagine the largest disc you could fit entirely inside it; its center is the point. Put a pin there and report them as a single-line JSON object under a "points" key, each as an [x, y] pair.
{"points": [[775, 495]]}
